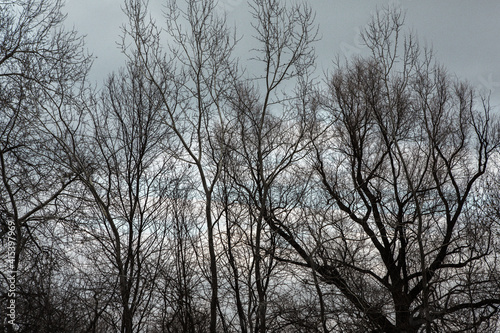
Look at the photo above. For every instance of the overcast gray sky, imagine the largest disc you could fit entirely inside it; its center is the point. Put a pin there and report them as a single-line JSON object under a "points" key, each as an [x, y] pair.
{"points": [[464, 34]]}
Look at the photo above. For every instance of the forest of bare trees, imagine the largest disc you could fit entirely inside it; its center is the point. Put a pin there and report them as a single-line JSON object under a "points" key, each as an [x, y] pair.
{"points": [[195, 191]]}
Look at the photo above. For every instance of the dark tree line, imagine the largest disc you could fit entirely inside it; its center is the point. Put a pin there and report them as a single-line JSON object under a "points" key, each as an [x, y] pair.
{"points": [[193, 192]]}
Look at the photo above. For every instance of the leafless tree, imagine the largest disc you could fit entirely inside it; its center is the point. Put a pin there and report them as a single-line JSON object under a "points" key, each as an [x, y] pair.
{"points": [[271, 132], [191, 80], [128, 181], [41, 66], [404, 148], [192, 194], [181, 285]]}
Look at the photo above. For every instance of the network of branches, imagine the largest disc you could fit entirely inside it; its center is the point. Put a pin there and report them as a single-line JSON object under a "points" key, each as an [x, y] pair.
{"points": [[197, 191]]}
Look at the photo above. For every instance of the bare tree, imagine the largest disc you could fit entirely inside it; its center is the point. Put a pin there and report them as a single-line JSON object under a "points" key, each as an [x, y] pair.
{"points": [[189, 195], [404, 146], [41, 66], [181, 285], [271, 131], [191, 81], [112, 145]]}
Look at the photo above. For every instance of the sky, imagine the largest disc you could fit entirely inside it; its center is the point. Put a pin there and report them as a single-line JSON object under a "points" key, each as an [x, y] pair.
{"points": [[464, 34]]}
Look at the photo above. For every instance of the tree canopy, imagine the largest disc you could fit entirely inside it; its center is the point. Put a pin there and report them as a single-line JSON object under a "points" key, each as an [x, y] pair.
{"points": [[194, 192]]}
